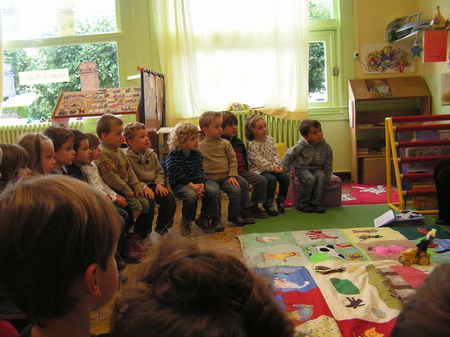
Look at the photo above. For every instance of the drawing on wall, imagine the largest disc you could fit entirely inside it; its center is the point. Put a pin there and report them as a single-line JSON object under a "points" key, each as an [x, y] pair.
{"points": [[380, 58], [446, 89]]}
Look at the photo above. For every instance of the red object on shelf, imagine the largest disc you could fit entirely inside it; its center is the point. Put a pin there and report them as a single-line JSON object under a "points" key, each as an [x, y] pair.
{"points": [[421, 118], [435, 45], [420, 143], [421, 191]]}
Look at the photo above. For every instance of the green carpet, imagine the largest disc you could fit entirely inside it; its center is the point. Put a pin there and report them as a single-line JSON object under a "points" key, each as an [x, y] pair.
{"points": [[339, 217]]}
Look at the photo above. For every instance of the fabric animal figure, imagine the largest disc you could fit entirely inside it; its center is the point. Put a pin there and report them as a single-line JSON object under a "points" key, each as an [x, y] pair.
{"points": [[280, 256], [318, 234]]}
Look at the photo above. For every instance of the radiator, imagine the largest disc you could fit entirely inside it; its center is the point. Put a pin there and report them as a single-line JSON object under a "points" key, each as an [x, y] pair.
{"points": [[282, 130], [9, 134]]}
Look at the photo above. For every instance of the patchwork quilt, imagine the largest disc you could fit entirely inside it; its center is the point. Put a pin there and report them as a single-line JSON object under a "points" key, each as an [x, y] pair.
{"points": [[342, 282]]}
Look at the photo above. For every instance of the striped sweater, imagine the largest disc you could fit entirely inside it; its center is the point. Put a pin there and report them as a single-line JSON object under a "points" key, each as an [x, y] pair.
{"points": [[184, 167]]}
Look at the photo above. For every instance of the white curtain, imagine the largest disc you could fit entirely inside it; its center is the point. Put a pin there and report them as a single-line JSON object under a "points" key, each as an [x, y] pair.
{"points": [[216, 52]]}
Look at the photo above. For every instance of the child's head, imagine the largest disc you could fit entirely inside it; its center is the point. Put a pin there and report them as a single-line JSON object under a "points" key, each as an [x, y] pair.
{"points": [[81, 147], [426, 313], [229, 124], [63, 145], [109, 130], [211, 124], [255, 128], [58, 239], [94, 143], [184, 136], [41, 152], [194, 292], [311, 130], [14, 163], [136, 136]]}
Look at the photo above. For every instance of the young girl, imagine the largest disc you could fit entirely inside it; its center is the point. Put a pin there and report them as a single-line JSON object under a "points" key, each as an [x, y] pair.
{"points": [[82, 155], [14, 164], [193, 292], [59, 253], [41, 152], [263, 159], [63, 144], [184, 166]]}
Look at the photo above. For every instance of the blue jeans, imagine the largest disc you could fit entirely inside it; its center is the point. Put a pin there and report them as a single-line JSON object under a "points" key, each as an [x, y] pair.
{"points": [[190, 198], [314, 182], [272, 179]]}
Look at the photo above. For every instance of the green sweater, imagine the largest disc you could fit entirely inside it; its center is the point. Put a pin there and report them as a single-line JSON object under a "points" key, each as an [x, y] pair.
{"points": [[219, 158], [147, 167]]}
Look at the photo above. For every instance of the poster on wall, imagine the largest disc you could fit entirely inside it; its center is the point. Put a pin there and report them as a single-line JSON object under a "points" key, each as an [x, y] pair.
{"points": [[446, 89], [382, 58], [435, 46]]}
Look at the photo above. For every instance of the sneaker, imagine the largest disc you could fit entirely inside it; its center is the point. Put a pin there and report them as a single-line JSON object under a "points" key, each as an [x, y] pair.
{"points": [[247, 217], [202, 222], [320, 209], [306, 208], [258, 212], [217, 226], [280, 207], [271, 211], [239, 222]]}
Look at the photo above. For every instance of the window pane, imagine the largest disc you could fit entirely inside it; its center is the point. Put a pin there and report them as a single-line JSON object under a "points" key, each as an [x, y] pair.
{"points": [[318, 88], [56, 18], [30, 91], [320, 9]]}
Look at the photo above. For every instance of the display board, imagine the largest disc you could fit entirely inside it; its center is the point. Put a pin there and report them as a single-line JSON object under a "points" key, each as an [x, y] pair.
{"points": [[97, 102]]}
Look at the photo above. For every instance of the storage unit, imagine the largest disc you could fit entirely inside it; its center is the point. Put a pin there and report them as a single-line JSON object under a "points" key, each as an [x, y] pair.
{"points": [[370, 102]]}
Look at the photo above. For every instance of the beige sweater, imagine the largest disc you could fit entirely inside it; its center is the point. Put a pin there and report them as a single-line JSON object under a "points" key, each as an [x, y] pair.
{"points": [[146, 166], [219, 158]]}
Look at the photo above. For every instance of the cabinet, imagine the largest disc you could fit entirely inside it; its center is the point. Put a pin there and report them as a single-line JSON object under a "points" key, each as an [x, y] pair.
{"points": [[370, 102]]}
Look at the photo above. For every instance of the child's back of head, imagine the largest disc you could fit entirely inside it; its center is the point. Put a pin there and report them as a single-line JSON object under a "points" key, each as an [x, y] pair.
{"points": [[195, 292], [53, 229], [14, 163]]}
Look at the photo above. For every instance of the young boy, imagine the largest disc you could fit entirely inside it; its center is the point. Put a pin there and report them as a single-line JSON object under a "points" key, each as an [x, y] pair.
{"points": [[82, 155], [63, 140], [58, 238], [259, 182], [117, 172], [148, 170], [312, 159], [220, 166]]}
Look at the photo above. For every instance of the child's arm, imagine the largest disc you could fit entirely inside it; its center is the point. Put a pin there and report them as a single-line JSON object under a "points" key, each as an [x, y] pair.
{"points": [[328, 166], [108, 171], [257, 158], [293, 154], [232, 163], [276, 161], [160, 175]]}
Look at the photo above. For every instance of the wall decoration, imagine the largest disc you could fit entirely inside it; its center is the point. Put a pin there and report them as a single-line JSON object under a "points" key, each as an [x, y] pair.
{"points": [[435, 45], [387, 59]]}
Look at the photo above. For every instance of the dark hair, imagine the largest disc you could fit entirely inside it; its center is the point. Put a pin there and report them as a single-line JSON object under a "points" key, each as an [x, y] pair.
{"points": [[250, 124], [194, 292], [228, 119], [93, 140], [51, 229], [307, 124], [78, 136], [59, 136], [427, 312], [106, 122], [15, 158]]}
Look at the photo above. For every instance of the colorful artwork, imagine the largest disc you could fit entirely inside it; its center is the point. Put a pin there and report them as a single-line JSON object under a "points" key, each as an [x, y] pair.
{"points": [[387, 59]]}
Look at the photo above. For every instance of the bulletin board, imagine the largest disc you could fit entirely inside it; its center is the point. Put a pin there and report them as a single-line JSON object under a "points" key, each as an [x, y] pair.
{"points": [[97, 102]]}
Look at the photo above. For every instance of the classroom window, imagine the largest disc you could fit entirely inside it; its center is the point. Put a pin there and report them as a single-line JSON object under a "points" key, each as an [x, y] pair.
{"points": [[34, 77], [321, 9], [56, 18]]}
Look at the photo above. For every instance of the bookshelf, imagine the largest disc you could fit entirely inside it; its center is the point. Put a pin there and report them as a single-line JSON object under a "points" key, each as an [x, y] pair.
{"points": [[370, 102]]}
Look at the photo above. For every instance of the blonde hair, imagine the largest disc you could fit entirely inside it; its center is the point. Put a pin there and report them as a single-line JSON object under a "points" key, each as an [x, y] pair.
{"points": [[106, 123], [131, 129], [250, 124], [32, 143], [180, 135], [207, 117]]}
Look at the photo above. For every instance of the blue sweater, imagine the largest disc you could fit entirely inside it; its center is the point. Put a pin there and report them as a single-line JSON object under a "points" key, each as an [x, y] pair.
{"points": [[184, 168]]}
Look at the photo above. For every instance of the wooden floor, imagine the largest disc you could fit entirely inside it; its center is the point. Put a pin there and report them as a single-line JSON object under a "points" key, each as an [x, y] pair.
{"points": [[226, 241]]}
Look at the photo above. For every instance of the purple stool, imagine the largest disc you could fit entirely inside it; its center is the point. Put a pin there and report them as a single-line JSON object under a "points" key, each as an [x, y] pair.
{"points": [[332, 196]]}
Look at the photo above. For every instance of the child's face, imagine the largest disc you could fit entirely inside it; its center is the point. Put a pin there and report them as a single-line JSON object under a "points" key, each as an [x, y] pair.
{"points": [[48, 161], [83, 155], [192, 143], [214, 130], [230, 130], [315, 135], [140, 141], [114, 138], [260, 129], [66, 154], [95, 153]]}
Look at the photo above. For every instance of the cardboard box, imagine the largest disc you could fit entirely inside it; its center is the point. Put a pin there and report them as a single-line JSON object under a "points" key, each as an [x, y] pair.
{"points": [[373, 171]]}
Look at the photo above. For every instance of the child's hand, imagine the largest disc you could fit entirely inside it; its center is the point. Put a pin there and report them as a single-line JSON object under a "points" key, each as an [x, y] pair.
{"points": [[121, 201], [277, 170], [233, 181], [147, 192], [161, 190]]}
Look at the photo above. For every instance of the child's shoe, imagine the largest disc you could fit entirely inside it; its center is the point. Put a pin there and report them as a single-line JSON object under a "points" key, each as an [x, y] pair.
{"points": [[216, 225], [258, 212], [203, 223], [320, 209], [280, 206], [307, 208], [238, 221], [271, 211], [247, 217], [186, 228]]}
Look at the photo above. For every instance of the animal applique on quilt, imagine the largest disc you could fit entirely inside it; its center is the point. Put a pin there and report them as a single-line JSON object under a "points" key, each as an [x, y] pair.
{"points": [[318, 235], [280, 256]]}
